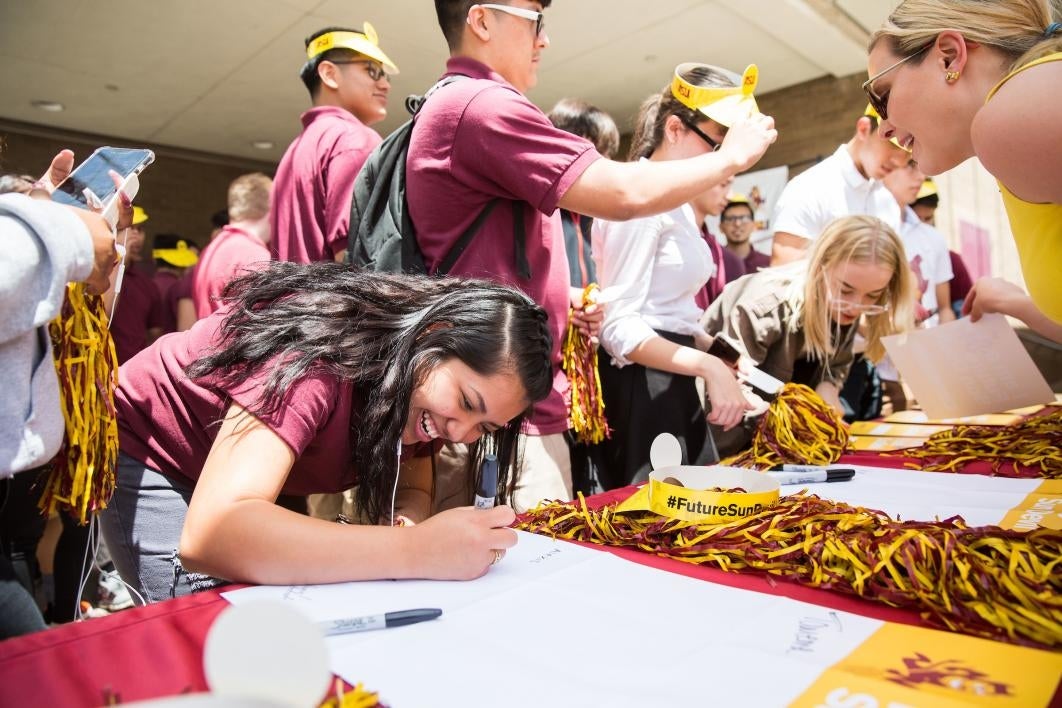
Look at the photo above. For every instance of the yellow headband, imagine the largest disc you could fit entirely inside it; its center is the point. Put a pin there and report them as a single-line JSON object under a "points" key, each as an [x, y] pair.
{"points": [[180, 256], [928, 189], [366, 43], [725, 105], [871, 113]]}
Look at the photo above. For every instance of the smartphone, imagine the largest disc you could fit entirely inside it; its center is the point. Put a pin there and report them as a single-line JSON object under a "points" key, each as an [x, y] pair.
{"points": [[94, 176], [724, 350]]}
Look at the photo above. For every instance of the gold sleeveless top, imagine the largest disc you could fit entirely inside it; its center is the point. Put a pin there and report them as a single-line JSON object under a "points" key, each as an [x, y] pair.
{"points": [[1037, 231]]}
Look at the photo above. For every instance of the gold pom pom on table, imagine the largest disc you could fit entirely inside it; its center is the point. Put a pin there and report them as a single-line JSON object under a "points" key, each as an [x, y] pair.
{"points": [[798, 427], [987, 581]]}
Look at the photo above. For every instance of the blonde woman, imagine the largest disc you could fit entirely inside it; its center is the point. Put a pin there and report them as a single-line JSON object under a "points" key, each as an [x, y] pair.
{"points": [[954, 79], [797, 322], [651, 270]]}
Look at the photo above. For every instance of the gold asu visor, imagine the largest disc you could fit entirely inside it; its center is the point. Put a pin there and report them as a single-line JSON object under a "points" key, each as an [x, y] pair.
{"points": [[366, 43], [725, 105], [180, 256], [871, 113]]}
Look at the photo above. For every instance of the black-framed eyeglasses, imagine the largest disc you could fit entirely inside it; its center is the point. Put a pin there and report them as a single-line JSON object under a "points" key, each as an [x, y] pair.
{"points": [[881, 103], [712, 143], [736, 219], [539, 18], [374, 69]]}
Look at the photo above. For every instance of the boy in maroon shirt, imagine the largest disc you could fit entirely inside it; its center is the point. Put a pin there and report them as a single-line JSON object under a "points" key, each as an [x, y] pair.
{"points": [[482, 139], [346, 74], [239, 247], [138, 314]]}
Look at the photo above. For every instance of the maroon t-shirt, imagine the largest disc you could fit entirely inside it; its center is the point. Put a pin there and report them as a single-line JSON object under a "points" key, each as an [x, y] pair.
{"points": [[233, 252], [961, 283], [169, 423], [756, 260], [479, 139], [165, 280], [315, 183], [139, 309]]}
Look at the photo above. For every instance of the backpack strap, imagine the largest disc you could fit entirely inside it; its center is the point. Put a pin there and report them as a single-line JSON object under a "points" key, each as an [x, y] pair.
{"points": [[413, 106]]}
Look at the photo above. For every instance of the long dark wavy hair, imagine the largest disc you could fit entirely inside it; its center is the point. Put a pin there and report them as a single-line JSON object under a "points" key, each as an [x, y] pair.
{"points": [[383, 332]]}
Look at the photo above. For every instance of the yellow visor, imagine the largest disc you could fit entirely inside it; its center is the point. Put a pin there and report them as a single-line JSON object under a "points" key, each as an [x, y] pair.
{"points": [[139, 216], [179, 257], [928, 189], [366, 43], [874, 114], [726, 105]]}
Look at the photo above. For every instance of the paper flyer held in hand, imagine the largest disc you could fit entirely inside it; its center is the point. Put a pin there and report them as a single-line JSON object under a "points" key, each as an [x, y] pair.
{"points": [[965, 368]]}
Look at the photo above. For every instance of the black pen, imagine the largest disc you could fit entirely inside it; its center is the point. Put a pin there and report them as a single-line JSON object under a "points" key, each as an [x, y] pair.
{"points": [[369, 622], [810, 474], [487, 489]]}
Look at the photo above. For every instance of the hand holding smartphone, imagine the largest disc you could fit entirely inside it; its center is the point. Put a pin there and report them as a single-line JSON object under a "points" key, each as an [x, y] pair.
{"points": [[91, 185]]}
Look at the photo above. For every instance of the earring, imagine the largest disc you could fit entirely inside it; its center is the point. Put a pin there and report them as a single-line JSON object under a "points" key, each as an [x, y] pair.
{"points": [[951, 76]]}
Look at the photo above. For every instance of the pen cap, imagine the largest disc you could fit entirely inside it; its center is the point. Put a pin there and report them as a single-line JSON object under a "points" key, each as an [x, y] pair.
{"points": [[487, 487]]}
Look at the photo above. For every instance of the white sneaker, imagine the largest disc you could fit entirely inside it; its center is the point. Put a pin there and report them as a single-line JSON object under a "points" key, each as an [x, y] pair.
{"points": [[113, 595]]}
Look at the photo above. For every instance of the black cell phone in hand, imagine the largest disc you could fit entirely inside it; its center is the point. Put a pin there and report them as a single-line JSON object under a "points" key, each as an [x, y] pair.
{"points": [[724, 350]]}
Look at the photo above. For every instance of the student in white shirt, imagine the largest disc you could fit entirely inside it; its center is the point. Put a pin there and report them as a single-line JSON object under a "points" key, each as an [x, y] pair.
{"points": [[847, 183], [927, 254], [650, 270], [927, 249]]}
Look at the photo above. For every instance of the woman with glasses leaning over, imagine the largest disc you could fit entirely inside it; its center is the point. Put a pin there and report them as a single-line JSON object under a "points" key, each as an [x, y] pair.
{"points": [[651, 270], [954, 79], [797, 322]]}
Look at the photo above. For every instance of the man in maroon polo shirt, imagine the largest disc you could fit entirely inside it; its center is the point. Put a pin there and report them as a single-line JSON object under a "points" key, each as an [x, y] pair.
{"points": [[346, 75], [239, 247], [138, 315], [737, 222], [482, 139]]}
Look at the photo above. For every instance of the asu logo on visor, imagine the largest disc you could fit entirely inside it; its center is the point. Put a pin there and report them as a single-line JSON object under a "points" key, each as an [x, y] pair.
{"points": [[725, 105], [366, 42]]}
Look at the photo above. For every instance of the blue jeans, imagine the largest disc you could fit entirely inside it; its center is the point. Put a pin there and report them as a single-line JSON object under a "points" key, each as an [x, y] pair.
{"points": [[142, 527]]}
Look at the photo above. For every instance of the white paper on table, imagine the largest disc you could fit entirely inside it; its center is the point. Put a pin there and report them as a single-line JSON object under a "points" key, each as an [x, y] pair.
{"points": [[964, 368], [533, 556], [913, 495], [607, 632]]}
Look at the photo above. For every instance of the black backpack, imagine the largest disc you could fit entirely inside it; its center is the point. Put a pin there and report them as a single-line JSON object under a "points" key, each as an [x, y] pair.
{"points": [[381, 236]]}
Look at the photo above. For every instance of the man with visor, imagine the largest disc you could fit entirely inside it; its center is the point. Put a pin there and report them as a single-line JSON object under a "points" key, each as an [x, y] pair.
{"points": [[346, 74]]}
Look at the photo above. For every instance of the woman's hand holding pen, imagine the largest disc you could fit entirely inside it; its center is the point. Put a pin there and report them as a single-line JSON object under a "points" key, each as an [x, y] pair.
{"points": [[460, 544]]}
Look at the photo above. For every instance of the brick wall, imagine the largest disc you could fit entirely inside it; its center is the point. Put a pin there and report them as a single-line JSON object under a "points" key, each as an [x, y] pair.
{"points": [[179, 191]]}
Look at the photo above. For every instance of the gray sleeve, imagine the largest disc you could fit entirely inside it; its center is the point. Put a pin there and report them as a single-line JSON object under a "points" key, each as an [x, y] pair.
{"points": [[45, 246]]}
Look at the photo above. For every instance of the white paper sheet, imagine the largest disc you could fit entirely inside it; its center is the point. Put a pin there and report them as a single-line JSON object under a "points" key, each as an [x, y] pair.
{"points": [[925, 496], [559, 624], [964, 368]]}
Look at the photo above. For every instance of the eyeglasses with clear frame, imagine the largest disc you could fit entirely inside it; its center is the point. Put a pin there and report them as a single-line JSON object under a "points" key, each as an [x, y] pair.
{"points": [[736, 219], [374, 69], [881, 103], [839, 303], [535, 16], [712, 143]]}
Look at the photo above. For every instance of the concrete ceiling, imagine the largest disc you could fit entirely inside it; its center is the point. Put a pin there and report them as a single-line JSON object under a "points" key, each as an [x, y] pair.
{"points": [[219, 75]]}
